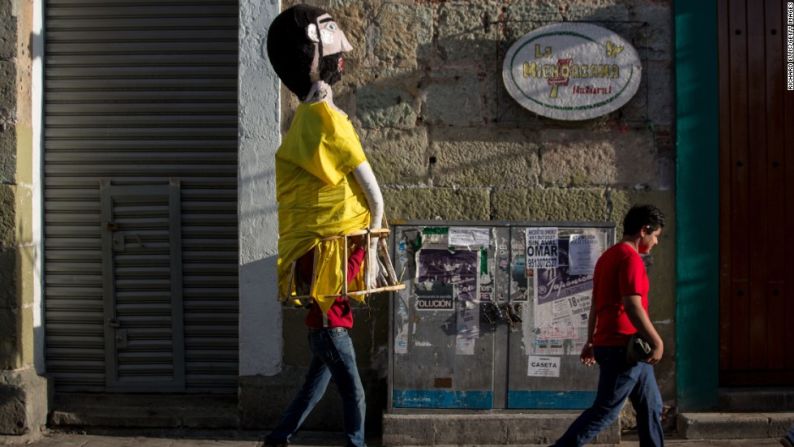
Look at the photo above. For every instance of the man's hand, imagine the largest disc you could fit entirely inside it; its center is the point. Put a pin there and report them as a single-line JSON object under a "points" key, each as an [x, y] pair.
{"points": [[587, 357], [656, 353], [639, 318]]}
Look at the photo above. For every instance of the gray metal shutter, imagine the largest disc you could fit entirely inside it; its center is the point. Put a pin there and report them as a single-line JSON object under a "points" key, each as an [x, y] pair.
{"points": [[141, 96]]}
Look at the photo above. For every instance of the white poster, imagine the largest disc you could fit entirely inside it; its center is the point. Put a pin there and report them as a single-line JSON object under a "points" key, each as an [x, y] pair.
{"points": [[468, 317], [543, 366], [542, 248], [469, 237], [583, 252]]}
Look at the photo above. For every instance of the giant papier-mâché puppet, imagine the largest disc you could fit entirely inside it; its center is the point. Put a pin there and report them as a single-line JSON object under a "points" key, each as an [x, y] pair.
{"points": [[324, 185]]}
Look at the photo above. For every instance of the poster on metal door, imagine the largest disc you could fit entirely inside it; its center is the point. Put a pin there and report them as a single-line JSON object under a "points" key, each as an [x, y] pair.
{"points": [[539, 366], [583, 252], [542, 248], [449, 280], [469, 237], [561, 306]]}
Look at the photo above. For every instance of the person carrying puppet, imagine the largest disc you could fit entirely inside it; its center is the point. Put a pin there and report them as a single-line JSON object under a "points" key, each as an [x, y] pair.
{"points": [[325, 187]]}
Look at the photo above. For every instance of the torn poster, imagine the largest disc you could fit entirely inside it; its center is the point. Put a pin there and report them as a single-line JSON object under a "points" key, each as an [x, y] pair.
{"points": [[401, 323], [468, 318]]}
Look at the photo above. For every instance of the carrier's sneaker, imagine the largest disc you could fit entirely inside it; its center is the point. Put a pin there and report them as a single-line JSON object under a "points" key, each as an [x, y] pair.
{"points": [[269, 443]]}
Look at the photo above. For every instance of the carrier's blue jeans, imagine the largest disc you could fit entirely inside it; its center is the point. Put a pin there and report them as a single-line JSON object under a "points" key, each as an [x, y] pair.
{"points": [[332, 357], [790, 435], [616, 382]]}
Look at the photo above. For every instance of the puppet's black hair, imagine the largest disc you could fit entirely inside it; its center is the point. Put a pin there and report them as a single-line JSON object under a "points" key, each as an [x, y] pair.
{"points": [[290, 50]]}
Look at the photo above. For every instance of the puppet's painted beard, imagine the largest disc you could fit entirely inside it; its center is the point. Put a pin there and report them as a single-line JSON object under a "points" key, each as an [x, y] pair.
{"points": [[331, 68]]}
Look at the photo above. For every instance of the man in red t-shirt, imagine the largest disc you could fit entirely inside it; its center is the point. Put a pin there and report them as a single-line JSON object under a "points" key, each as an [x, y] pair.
{"points": [[620, 310]]}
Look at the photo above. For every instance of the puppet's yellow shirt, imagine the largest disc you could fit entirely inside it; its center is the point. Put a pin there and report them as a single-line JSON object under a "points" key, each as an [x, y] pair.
{"points": [[318, 197]]}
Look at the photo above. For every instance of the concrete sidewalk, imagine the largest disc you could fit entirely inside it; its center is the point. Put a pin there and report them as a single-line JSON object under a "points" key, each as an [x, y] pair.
{"points": [[311, 439]]}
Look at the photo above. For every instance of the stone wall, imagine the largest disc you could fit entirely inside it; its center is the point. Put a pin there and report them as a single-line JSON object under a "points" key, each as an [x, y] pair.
{"points": [[23, 394], [423, 88]]}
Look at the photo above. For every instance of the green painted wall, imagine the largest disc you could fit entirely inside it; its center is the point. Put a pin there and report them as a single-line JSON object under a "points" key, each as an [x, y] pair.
{"points": [[697, 204]]}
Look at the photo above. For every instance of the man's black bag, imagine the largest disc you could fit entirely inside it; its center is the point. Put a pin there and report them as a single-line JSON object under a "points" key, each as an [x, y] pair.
{"points": [[637, 350]]}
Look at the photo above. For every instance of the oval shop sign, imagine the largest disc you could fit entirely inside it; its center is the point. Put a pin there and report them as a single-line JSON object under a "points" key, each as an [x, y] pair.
{"points": [[572, 71]]}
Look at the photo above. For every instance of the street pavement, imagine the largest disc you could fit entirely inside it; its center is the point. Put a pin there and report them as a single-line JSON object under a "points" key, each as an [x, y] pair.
{"points": [[311, 439]]}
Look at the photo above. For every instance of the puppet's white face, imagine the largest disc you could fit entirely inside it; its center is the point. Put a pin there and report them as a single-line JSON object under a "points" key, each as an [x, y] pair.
{"points": [[329, 35]]}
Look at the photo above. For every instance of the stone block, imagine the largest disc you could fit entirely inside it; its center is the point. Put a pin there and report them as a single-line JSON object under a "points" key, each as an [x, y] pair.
{"points": [[468, 32], [9, 338], [386, 106], [12, 410], [23, 402], [723, 425], [22, 158], [437, 203], [8, 278], [661, 92], [573, 157], [510, 428], [470, 429], [407, 430], [597, 11], [655, 37], [454, 99], [397, 156], [551, 204], [8, 152], [635, 111], [8, 98], [523, 17], [359, 75], [509, 204], [8, 32], [483, 157], [402, 33], [8, 216]]}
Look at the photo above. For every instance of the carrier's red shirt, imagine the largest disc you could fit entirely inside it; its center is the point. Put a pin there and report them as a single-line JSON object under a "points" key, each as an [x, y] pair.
{"points": [[619, 272], [340, 314]]}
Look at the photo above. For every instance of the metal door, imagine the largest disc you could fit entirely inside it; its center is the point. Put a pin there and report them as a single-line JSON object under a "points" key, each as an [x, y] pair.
{"points": [[554, 302], [447, 343], [142, 287], [140, 195]]}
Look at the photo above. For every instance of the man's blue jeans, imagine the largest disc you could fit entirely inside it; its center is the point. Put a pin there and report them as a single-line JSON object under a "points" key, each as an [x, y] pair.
{"points": [[617, 381], [332, 357]]}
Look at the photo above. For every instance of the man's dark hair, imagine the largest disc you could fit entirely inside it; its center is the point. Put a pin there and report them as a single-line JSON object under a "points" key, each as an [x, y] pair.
{"points": [[289, 49], [643, 216]]}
